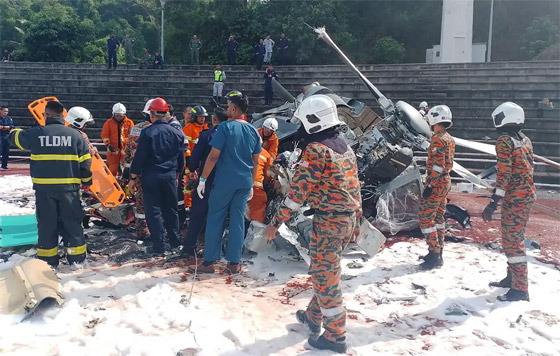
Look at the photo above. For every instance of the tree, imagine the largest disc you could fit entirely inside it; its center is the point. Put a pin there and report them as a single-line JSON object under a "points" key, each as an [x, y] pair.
{"points": [[388, 50], [56, 35], [540, 35]]}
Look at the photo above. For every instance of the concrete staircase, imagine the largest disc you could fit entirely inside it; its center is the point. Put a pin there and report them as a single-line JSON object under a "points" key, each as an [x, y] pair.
{"points": [[472, 90]]}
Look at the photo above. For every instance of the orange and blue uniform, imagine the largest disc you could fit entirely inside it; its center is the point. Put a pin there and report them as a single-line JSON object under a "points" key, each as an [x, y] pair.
{"points": [[432, 207], [328, 181], [192, 131]]}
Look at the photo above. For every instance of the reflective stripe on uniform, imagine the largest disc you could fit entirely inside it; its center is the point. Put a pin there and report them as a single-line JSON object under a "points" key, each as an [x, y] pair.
{"points": [[84, 157], [187, 191], [56, 180], [52, 157], [517, 259], [16, 138], [292, 205], [440, 226], [257, 184], [85, 180], [41, 252], [500, 192], [437, 168], [429, 230], [330, 312], [140, 216], [127, 165], [181, 202], [78, 250]]}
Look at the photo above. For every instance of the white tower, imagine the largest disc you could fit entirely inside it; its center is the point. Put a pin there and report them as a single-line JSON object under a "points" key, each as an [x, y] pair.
{"points": [[456, 31]]}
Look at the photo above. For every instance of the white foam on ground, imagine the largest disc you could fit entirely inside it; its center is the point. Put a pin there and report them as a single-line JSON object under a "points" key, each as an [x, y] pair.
{"points": [[136, 310]]}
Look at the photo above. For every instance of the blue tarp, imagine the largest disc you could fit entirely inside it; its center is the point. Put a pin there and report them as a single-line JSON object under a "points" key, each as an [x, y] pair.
{"points": [[18, 230]]}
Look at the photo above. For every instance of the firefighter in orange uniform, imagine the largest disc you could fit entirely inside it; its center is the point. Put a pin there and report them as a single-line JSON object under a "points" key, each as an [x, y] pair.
{"points": [[514, 184], [438, 184], [327, 179], [269, 137], [257, 204], [115, 134], [192, 130]]}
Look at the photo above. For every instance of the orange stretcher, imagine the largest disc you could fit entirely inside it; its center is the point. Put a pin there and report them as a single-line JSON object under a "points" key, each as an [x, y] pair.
{"points": [[104, 185], [37, 109]]}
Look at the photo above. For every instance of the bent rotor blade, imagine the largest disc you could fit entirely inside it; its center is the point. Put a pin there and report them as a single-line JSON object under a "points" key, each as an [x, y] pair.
{"points": [[282, 92], [491, 150], [385, 103], [468, 175]]}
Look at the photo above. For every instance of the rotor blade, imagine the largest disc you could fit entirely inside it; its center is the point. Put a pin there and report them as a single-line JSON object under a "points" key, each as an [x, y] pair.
{"points": [[385, 103], [282, 92], [468, 175], [491, 150]]}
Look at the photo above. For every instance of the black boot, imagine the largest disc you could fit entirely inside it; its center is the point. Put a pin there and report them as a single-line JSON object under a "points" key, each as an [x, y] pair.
{"points": [[514, 295], [433, 260], [504, 283], [426, 256], [322, 343], [302, 318]]}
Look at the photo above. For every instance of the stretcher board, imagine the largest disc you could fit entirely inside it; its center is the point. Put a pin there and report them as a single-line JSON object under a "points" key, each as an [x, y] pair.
{"points": [[37, 108], [18, 230], [104, 185]]}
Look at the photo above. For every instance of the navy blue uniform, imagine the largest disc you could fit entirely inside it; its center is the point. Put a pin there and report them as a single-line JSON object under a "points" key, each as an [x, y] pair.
{"points": [[259, 53], [5, 140], [231, 51], [159, 158], [199, 208], [283, 44], [112, 44], [268, 92]]}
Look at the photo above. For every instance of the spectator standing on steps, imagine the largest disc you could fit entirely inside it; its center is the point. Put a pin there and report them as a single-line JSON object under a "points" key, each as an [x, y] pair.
{"points": [[283, 45], [195, 44], [158, 61], [268, 46], [6, 125], [219, 77], [268, 91], [112, 45], [259, 53], [127, 44], [231, 50]]}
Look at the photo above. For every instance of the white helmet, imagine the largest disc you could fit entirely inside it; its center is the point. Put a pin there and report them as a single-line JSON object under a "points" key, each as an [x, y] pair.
{"points": [[508, 113], [270, 124], [439, 114], [423, 105], [78, 117], [147, 107], [317, 113], [119, 108]]}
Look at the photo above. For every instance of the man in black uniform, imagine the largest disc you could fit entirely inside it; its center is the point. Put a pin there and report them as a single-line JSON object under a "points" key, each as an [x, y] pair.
{"points": [[60, 164], [159, 159]]}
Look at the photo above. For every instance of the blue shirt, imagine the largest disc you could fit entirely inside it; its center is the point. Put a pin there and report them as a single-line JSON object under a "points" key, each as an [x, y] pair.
{"points": [[160, 152], [6, 121], [237, 142]]}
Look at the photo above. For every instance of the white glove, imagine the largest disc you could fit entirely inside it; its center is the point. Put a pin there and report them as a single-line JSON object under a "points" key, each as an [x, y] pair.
{"points": [[250, 195], [200, 189]]}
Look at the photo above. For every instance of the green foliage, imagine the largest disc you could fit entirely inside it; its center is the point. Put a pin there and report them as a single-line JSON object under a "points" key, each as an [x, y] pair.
{"points": [[541, 34], [378, 31], [387, 50]]}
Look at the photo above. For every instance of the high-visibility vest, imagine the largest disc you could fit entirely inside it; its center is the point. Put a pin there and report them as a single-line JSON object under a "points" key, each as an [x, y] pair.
{"points": [[218, 76]]}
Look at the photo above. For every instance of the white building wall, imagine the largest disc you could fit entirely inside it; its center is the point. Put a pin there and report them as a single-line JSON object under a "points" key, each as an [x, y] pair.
{"points": [[456, 31]]}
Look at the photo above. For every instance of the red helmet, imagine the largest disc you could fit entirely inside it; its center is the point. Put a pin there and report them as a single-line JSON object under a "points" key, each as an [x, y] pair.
{"points": [[159, 105]]}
